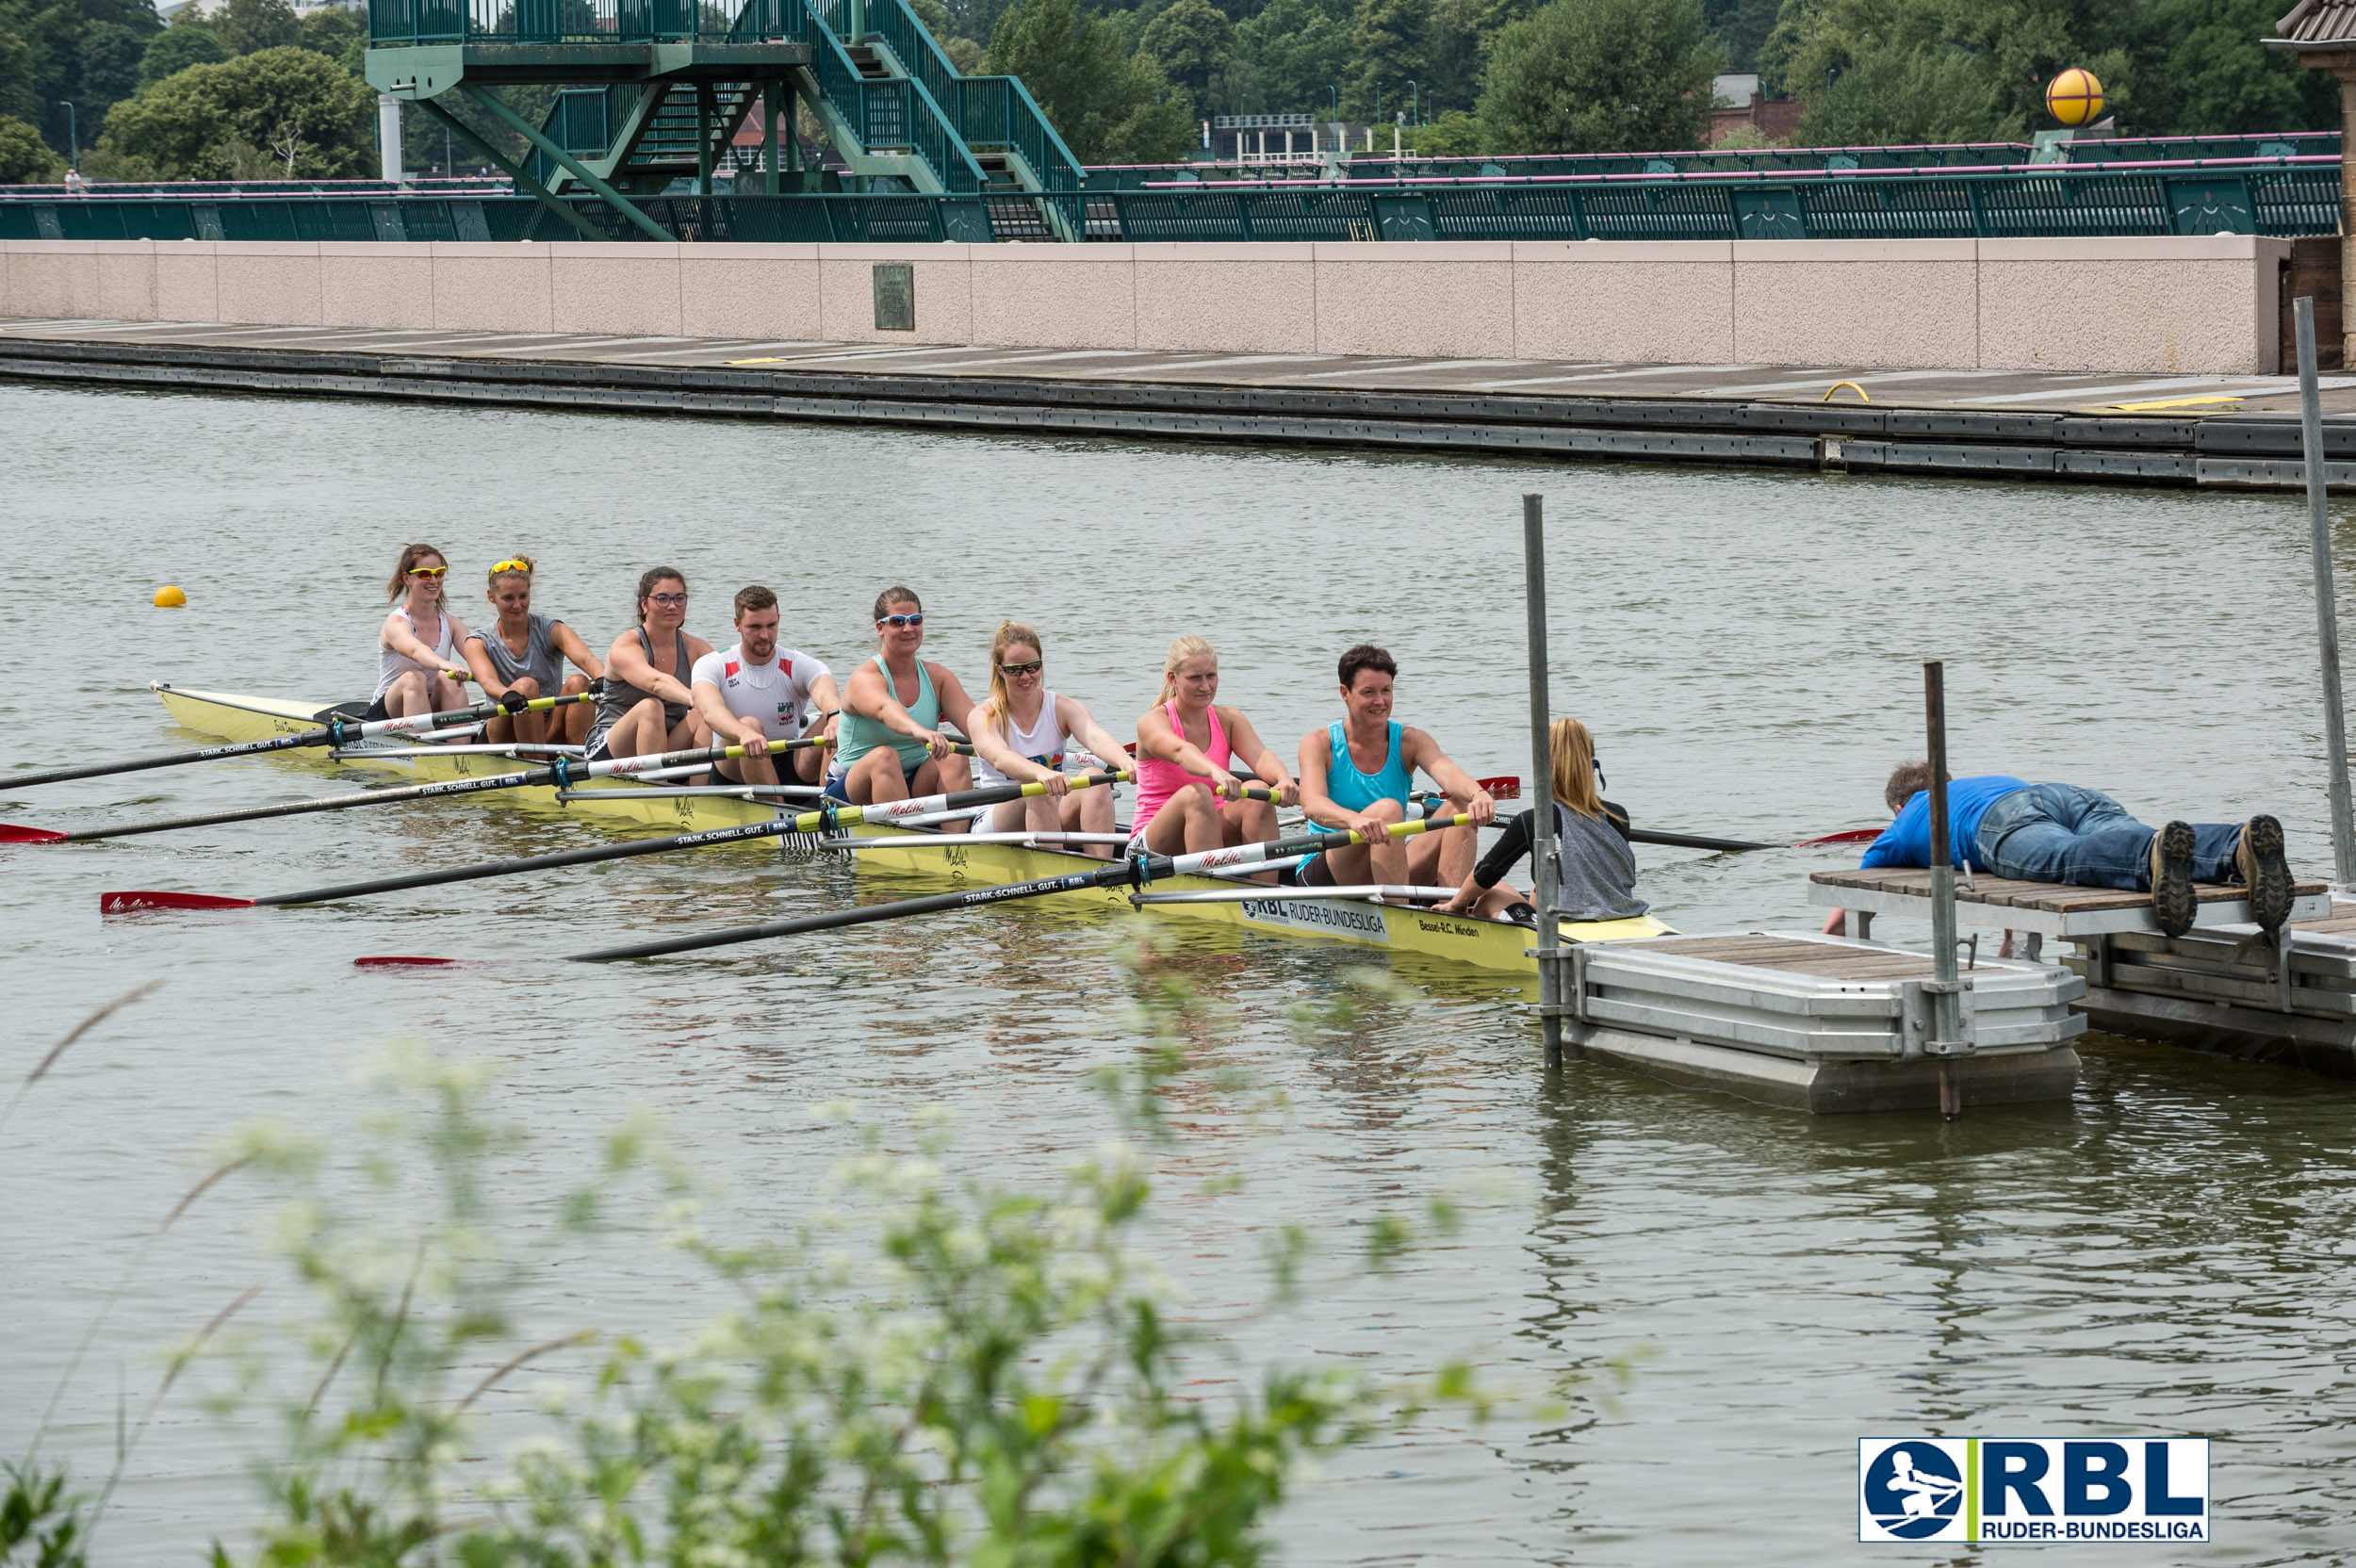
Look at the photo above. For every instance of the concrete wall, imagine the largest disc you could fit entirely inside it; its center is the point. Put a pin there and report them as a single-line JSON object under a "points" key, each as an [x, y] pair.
{"points": [[2205, 304]]}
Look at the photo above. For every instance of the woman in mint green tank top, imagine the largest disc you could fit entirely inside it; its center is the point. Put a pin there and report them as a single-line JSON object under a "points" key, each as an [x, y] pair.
{"points": [[890, 746]]}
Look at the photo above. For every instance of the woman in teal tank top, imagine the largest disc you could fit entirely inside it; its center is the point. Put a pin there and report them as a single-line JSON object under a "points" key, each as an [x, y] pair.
{"points": [[1347, 783], [889, 745]]}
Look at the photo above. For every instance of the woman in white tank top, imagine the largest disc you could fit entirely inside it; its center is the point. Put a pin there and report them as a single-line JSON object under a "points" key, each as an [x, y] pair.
{"points": [[418, 668], [1021, 730]]}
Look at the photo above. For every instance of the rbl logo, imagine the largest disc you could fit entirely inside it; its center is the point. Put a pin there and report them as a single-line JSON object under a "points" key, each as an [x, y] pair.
{"points": [[2033, 1488]]}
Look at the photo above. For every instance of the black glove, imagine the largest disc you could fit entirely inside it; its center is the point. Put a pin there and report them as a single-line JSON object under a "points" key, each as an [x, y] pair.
{"points": [[513, 701]]}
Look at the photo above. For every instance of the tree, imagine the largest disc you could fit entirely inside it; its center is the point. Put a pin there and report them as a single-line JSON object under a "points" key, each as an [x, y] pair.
{"points": [[250, 26], [1299, 47], [1601, 76], [1194, 44], [176, 48], [1390, 46], [2214, 78], [185, 126], [1742, 25], [1463, 33], [24, 158], [53, 52], [332, 31], [1109, 105]]}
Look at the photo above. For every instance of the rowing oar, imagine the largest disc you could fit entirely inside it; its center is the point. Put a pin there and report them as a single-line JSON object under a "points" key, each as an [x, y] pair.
{"points": [[1510, 788], [806, 822], [557, 775], [1137, 871], [335, 732]]}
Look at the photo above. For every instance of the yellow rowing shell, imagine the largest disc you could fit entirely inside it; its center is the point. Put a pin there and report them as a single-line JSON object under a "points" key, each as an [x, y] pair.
{"points": [[1489, 944], [236, 717]]}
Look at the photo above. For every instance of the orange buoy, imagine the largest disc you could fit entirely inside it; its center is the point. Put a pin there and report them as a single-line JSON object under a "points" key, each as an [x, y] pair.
{"points": [[170, 599], [2074, 98]]}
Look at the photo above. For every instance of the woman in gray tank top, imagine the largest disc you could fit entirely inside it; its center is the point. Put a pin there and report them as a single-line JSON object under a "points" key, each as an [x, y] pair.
{"points": [[538, 671], [1595, 876], [646, 706]]}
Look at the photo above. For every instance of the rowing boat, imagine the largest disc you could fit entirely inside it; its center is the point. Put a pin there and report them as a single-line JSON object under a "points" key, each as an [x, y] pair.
{"points": [[1489, 944], [237, 717]]}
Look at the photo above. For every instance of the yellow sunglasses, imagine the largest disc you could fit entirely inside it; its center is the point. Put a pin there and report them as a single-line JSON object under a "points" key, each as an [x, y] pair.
{"points": [[498, 566], [427, 571]]}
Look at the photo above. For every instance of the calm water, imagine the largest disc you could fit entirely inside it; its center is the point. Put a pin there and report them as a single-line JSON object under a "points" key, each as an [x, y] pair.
{"points": [[2169, 1253]]}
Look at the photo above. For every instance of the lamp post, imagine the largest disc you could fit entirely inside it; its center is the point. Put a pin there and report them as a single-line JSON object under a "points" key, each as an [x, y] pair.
{"points": [[1415, 104], [72, 139]]}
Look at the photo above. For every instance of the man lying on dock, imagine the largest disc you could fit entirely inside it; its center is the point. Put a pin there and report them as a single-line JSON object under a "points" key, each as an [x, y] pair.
{"points": [[2083, 838]]}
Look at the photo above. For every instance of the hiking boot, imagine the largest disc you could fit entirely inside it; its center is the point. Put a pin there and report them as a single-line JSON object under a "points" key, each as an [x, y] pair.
{"points": [[2172, 900], [2265, 872]]}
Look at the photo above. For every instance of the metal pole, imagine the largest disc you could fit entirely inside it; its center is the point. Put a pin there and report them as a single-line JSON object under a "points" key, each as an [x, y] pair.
{"points": [[389, 167], [772, 108], [1542, 768], [2327, 620], [73, 136], [1946, 1006]]}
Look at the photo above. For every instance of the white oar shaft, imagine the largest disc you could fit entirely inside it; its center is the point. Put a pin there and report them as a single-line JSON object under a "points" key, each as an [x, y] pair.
{"points": [[1358, 893], [522, 751], [943, 841], [739, 791]]}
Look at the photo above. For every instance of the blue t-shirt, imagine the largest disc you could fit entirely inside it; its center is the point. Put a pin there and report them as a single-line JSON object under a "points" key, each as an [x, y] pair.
{"points": [[1907, 841]]}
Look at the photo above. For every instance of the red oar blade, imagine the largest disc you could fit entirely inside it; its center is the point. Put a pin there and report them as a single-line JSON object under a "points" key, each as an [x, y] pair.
{"points": [[403, 960], [123, 903], [11, 834], [1507, 787], [1847, 836]]}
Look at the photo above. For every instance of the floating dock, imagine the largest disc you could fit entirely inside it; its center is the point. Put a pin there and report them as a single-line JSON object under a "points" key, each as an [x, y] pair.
{"points": [[1819, 1023], [2221, 987]]}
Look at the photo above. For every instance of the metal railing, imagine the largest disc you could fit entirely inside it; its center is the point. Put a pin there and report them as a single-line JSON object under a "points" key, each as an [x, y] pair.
{"points": [[987, 111], [743, 219], [2278, 199], [549, 22], [891, 113]]}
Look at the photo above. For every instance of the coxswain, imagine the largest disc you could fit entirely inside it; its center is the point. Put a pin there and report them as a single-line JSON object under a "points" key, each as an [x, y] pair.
{"points": [[1595, 875], [525, 652]]}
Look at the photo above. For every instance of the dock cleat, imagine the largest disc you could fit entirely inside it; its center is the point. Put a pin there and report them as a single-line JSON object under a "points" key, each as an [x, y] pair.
{"points": [[2265, 872], [2173, 903]]}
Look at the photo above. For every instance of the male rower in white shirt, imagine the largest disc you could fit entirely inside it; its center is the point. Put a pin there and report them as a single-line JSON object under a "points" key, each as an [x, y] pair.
{"points": [[753, 692]]}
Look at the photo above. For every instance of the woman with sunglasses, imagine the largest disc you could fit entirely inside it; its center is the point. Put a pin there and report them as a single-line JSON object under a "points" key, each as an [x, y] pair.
{"points": [[646, 706], [1021, 730], [1595, 875], [524, 653], [418, 668], [890, 746]]}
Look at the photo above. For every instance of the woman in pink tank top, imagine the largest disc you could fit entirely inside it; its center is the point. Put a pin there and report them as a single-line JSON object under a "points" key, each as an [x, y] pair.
{"points": [[1188, 799]]}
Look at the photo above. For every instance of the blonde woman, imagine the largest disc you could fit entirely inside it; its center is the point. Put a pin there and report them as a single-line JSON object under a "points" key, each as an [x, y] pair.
{"points": [[1021, 730], [1188, 799], [525, 652], [418, 668], [1595, 876]]}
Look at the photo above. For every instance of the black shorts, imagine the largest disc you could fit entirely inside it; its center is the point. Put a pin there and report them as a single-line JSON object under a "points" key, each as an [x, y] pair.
{"points": [[376, 712], [1316, 871]]}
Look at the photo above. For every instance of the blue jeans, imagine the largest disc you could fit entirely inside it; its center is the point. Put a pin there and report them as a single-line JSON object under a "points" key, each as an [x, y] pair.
{"points": [[2060, 833]]}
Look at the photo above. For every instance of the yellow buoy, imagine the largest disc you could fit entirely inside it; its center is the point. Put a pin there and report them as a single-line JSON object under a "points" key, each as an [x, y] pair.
{"points": [[2074, 98], [170, 599]]}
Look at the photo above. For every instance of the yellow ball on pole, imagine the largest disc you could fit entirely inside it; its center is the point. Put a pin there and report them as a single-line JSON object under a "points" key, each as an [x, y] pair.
{"points": [[170, 599], [2074, 98]]}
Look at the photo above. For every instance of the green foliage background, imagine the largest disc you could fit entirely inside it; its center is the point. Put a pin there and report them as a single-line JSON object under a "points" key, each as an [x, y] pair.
{"points": [[1129, 83]]}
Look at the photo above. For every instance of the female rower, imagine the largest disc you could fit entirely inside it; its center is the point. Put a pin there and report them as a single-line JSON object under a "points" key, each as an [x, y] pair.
{"points": [[646, 706], [1188, 800], [524, 653], [890, 746], [417, 653], [1595, 875], [1019, 731]]}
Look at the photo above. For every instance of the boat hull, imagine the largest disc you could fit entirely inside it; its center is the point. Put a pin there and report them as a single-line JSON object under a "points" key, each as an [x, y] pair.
{"points": [[1399, 929], [236, 717]]}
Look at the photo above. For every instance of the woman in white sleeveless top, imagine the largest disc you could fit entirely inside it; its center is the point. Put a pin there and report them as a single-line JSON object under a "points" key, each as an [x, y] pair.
{"points": [[1021, 731], [419, 667]]}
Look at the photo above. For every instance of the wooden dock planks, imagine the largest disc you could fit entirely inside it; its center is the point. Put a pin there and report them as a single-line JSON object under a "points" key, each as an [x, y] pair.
{"points": [[2050, 897]]}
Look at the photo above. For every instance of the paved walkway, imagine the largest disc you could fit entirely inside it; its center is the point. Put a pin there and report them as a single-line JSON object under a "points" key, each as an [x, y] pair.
{"points": [[1977, 390]]}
